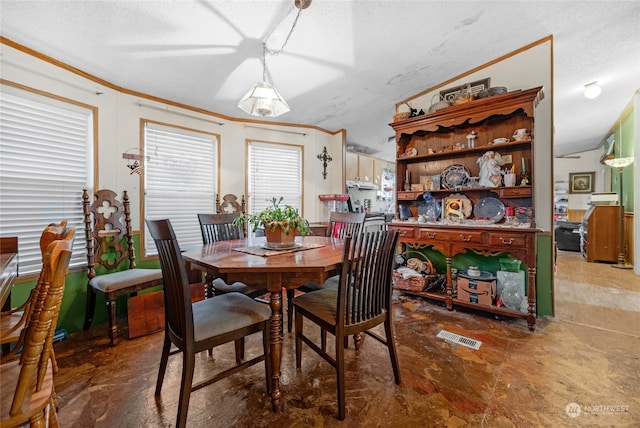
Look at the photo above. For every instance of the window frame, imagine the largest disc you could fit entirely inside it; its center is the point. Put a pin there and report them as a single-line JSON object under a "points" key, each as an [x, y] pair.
{"points": [[250, 199], [147, 247], [73, 210]]}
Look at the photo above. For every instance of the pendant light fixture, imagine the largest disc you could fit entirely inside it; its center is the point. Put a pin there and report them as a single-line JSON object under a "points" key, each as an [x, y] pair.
{"points": [[263, 99]]}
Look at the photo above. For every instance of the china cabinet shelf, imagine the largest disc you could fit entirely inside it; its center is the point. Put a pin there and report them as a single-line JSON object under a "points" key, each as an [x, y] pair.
{"points": [[442, 297], [502, 192], [478, 149]]}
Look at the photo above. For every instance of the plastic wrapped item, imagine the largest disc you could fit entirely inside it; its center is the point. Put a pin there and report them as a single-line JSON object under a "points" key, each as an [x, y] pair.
{"points": [[511, 296], [432, 208]]}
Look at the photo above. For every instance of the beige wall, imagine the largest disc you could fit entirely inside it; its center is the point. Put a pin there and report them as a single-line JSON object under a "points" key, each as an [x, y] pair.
{"points": [[119, 130]]}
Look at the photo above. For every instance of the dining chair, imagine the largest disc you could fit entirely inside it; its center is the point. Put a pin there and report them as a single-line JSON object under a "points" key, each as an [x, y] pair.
{"points": [[374, 222], [340, 225], [230, 204], [28, 395], [221, 227], [361, 302], [111, 260], [13, 322], [195, 327]]}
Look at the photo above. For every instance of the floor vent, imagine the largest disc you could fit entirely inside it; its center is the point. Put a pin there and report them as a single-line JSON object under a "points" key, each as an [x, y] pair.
{"points": [[456, 338]]}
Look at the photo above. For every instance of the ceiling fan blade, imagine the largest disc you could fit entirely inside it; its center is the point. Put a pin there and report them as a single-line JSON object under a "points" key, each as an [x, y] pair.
{"points": [[216, 12], [320, 61], [180, 49]]}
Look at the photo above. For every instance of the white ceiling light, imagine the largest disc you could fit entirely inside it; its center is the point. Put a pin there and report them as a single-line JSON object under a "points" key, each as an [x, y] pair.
{"points": [[592, 90], [263, 99]]}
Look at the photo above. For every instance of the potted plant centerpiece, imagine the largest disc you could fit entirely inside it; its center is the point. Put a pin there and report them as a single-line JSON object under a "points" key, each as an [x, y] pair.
{"points": [[280, 224]]}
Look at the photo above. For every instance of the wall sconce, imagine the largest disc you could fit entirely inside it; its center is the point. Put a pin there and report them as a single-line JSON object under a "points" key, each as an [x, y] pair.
{"points": [[592, 90], [325, 159]]}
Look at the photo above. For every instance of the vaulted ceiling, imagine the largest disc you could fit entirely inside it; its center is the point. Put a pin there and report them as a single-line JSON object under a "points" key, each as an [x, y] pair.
{"points": [[347, 62]]}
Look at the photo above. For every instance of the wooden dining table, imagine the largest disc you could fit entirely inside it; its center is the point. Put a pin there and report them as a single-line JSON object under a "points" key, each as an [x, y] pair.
{"points": [[275, 270]]}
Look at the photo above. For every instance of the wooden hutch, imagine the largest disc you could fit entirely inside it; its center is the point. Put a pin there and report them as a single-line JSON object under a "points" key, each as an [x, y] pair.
{"points": [[429, 144]]}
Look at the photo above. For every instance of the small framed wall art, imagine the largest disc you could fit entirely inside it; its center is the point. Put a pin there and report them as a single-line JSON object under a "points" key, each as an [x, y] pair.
{"points": [[581, 182]]}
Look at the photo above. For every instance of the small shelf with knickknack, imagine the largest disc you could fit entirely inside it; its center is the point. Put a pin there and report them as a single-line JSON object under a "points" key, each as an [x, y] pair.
{"points": [[560, 201], [444, 153]]}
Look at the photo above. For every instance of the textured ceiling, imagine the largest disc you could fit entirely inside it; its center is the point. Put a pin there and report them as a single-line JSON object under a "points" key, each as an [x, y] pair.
{"points": [[347, 63]]}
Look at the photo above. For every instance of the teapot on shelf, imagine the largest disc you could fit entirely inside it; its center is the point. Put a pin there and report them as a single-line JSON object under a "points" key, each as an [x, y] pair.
{"points": [[520, 134]]}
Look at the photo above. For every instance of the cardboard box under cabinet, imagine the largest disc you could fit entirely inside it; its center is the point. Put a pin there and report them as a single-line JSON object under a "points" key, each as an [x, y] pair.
{"points": [[481, 292], [145, 313]]}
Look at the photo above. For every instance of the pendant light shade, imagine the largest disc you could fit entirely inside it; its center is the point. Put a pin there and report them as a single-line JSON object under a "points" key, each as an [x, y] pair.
{"points": [[263, 100]]}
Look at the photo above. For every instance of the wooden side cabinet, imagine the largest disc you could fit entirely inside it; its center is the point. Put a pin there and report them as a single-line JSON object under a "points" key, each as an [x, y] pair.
{"points": [[602, 224]]}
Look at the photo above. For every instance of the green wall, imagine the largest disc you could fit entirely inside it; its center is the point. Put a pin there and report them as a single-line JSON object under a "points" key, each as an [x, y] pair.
{"points": [[624, 140]]}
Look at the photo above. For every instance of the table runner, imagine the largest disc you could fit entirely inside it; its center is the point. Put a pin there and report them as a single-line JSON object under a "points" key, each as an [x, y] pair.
{"points": [[259, 250]]}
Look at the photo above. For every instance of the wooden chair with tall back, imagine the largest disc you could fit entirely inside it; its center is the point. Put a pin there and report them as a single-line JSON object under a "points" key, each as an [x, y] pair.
{"points": [[361, 302], [195, 327], [221, 227], [110, 247], [27, 395], [340, 225], [230, 204], [14, 321]]}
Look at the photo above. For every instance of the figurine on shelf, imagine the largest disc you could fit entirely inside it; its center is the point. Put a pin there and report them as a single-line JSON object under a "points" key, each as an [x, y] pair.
{"points": [[490, 172], [471, 139], [525, 175]]}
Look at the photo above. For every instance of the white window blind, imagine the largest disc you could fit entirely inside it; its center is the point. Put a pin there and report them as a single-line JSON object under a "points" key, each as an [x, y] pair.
{"points": [[275, 170], [45, 161], [180, 180]]}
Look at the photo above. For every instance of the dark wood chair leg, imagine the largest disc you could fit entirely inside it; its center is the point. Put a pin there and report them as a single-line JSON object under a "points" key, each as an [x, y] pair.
{"points": [[239, 345], [188, 364], [323, 339], [113, 322], [340, 376], [299, 323], [91, 306], [290, 295], [166, 346], [208, 286], [391, 344]]}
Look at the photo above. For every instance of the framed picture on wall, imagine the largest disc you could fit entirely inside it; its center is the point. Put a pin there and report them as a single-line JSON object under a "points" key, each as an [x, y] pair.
{"points": [[581, 182]]}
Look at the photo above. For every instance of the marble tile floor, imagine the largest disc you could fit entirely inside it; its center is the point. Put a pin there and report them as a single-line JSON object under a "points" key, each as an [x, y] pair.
{"points": [[515, 379]]}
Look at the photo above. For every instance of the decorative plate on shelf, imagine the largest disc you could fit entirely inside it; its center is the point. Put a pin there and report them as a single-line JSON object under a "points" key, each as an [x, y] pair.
{"points": [[455, 176], [457, 207], [490, 208]]}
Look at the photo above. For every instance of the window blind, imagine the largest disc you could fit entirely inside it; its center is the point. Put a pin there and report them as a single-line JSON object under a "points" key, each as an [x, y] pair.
{"points": [[45, 162], [180, 180], [275, 170]]}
